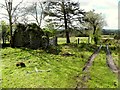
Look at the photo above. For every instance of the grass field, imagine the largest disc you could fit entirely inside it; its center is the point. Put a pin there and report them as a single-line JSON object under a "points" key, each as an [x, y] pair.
{"points": [[73, 40], [64, 71]]}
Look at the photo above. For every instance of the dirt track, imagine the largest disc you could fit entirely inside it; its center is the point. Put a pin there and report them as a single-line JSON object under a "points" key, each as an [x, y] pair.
{"points": [[91, 59], [109, 61]]}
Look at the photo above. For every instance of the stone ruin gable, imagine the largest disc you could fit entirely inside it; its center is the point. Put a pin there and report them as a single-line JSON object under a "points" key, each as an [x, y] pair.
{"points": [[28, 36], [35, 35], [53, 41], [44, 41], [21, 37]]}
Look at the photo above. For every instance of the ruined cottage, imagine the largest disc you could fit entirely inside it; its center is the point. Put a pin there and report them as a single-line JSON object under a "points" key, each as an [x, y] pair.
{"points": [[29, 35]]}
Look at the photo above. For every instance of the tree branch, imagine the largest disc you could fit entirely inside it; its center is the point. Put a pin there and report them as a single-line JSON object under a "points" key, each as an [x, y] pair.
{"points": [[6, 5], [16, 7], [2, 6]]}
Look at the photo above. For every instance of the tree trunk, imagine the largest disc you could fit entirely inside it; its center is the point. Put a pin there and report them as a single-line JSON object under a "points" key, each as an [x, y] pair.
{"points": [[78, 40], [3, 40], [67, 37], [10, 23], [47, 40], [11, 38], [56, 41], [65, 21], [94, 37], [94, 29]]}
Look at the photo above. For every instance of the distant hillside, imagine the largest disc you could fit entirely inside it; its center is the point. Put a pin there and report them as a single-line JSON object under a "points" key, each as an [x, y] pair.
{"points": [[109, 31]]}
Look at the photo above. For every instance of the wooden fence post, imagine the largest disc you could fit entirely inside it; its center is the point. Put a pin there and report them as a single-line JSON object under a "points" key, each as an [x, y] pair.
{"points": [[78, 40]]}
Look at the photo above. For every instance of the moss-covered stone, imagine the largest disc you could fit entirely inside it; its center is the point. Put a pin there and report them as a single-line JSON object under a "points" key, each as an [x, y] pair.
{"points": [[28, 36], [21, 37]]}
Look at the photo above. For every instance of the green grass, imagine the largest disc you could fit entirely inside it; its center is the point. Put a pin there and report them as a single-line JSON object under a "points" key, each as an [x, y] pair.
{"points": [[62, 74], [64, 70], [73, 40]]}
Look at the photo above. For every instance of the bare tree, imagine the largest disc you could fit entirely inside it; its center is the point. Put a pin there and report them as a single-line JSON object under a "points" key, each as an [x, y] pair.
{"points": [[36, 11], [11, 15]]}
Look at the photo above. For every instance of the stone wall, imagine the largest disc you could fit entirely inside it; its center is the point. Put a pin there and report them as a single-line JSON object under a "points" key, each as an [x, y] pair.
{"points": [[28, 36], [21, 37]]}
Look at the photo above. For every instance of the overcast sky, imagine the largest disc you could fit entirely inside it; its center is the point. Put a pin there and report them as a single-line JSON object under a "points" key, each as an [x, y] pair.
{"points": [[109, 9]]}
